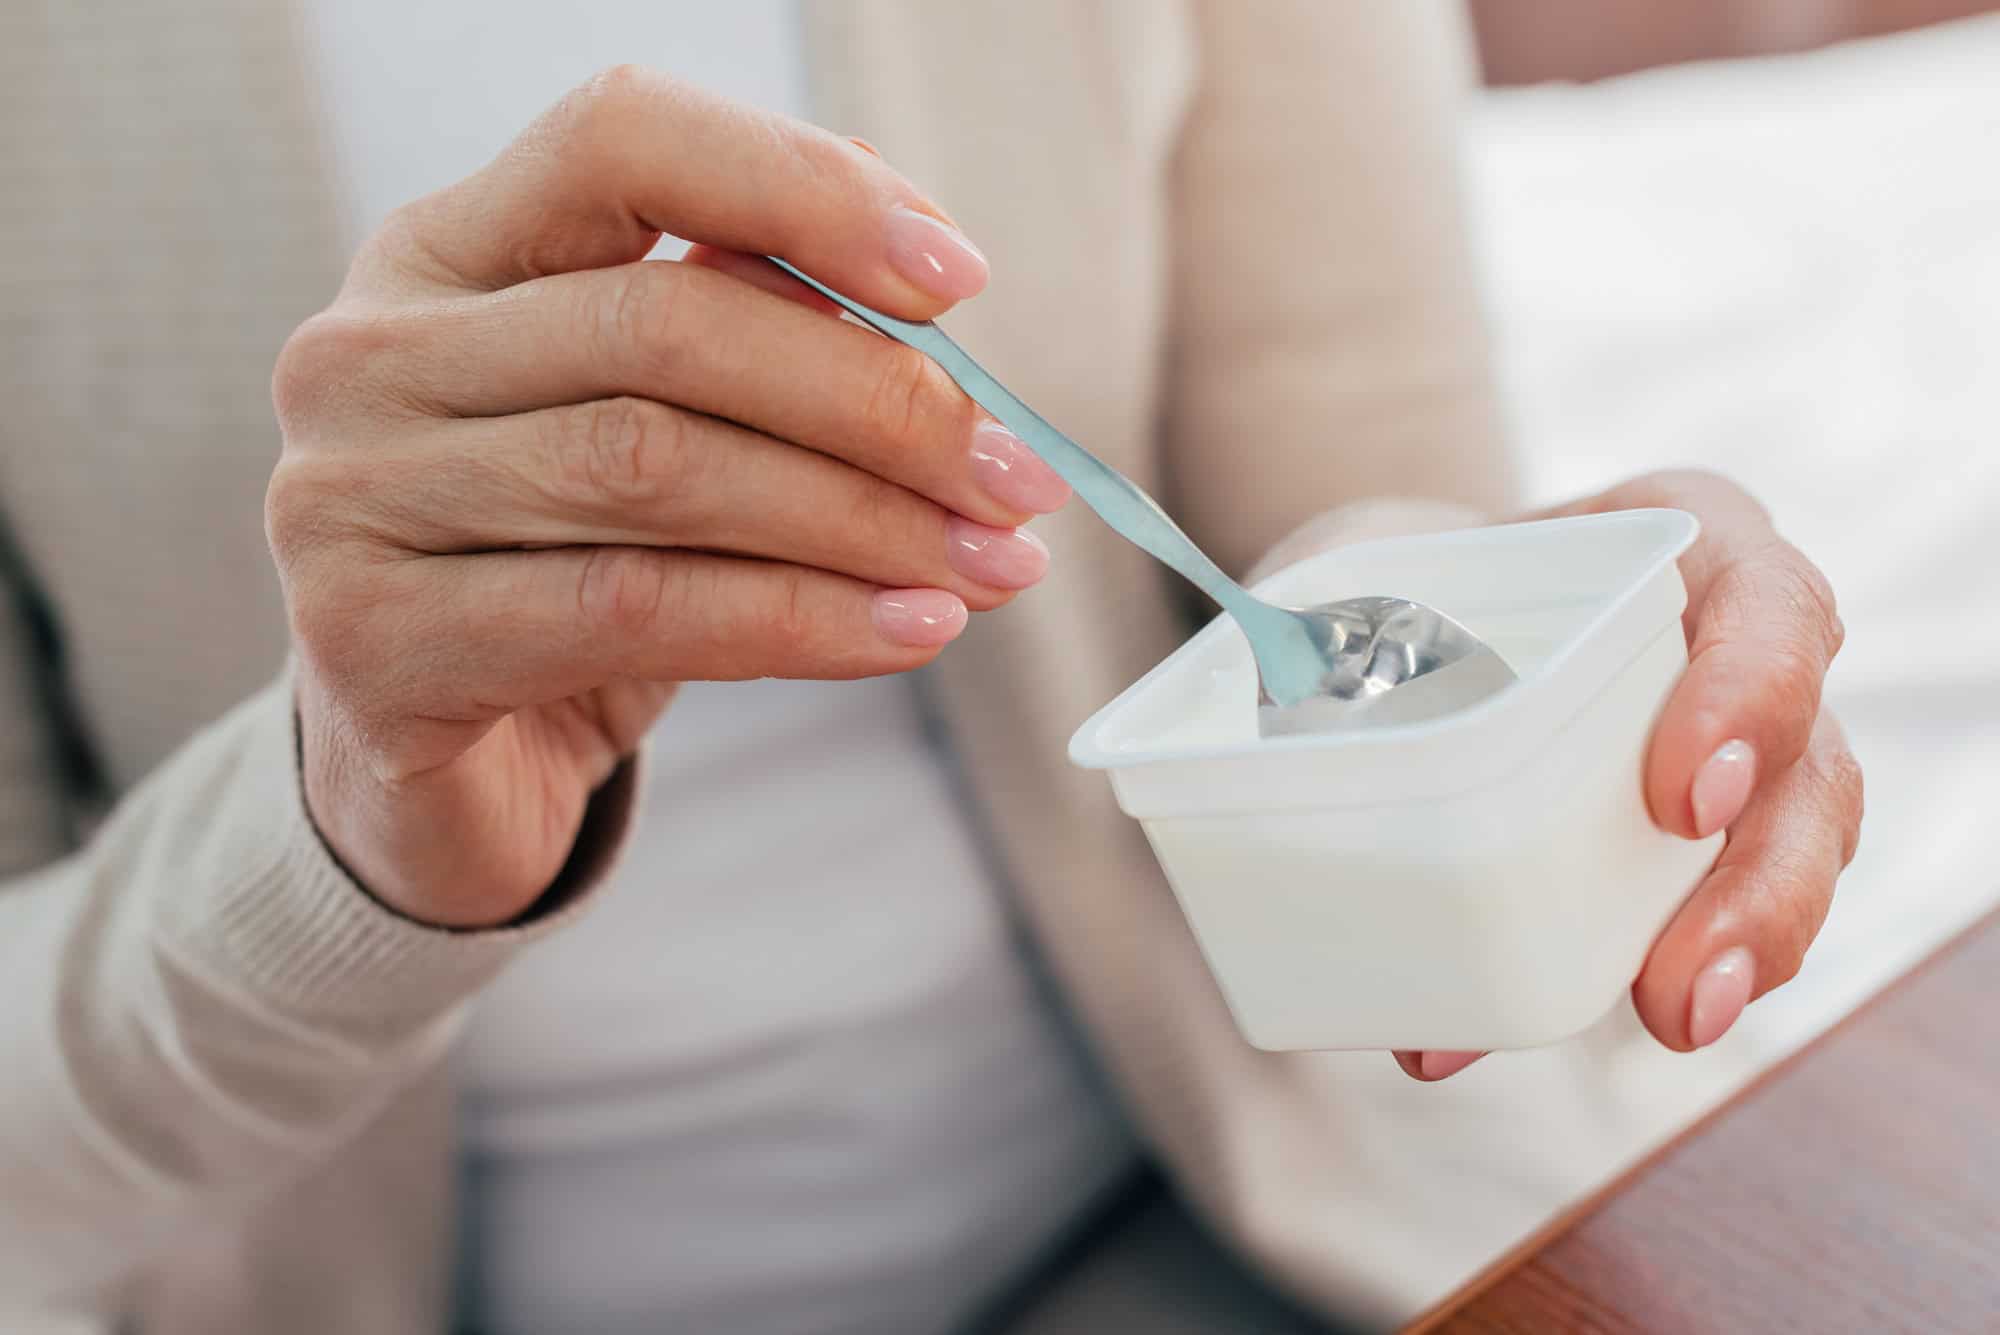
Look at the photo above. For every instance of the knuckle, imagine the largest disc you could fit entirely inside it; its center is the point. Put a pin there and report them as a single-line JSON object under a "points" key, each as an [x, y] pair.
{"points": [[1841, 779], [299, 520], [624, 452], [623, 589], [1807, 603], [648, 313], [1731, 607], [821, 157], [1773, 586], [615, 87], [794, 617], [324, 628], [1800, 894], [402, 241], [1781, 967], [324, 357], [911, 398], [591, 123], [798, 630], [879, 515], [1792, 688], [1768, 625], [1814, 597], [600, 106], [404, 222], [333, 608]]}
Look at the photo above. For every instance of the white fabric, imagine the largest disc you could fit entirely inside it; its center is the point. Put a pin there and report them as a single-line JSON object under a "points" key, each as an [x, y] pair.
{"points": [[1788, 270], [792, 1074]]}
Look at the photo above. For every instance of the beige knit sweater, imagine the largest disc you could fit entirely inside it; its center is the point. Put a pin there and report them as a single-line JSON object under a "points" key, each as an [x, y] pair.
{"points": [[221, 1103]]}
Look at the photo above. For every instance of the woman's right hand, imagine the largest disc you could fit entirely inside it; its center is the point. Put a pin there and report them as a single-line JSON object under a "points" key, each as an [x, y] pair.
{"points": [[530, 480]]}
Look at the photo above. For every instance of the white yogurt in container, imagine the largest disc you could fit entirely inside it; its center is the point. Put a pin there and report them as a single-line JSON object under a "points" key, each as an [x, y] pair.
{"points": [[1488, 879]]}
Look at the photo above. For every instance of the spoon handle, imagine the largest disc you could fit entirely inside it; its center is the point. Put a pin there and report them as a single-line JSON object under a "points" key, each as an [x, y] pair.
{"points": [[1118, 500]]}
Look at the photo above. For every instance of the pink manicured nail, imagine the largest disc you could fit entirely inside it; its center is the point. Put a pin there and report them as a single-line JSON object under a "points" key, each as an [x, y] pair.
{"points": [[1003, 558], [1438, 1065], [1722, 786], [934, 257], [920, 618], [1721, 991], [1013, 474]]}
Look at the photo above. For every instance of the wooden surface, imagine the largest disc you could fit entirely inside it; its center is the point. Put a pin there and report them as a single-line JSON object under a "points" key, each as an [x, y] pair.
{"points": [[1596, 39], [1856, 1188]]}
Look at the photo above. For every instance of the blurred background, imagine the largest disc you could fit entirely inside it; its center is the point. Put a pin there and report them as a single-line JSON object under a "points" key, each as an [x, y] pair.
{"points": [[1595, 39]]}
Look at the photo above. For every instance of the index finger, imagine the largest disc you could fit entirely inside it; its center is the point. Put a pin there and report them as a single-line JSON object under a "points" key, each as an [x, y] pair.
{"points": [[633, 154]]}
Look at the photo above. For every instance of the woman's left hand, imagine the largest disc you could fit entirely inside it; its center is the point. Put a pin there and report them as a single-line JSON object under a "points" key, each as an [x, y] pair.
{"points": [[1742, 745]]}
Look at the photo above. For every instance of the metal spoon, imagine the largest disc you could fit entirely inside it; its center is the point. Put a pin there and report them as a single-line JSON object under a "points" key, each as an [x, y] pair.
{"points": [[1359, 662]]}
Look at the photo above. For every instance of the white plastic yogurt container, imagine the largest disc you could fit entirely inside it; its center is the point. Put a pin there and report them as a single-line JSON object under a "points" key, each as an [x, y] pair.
{"points": [[1488, 879]]}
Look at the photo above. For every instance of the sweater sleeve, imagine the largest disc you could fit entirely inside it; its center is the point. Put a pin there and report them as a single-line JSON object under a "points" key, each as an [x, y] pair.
{"points": [[1328, 338], [200, 1004]]}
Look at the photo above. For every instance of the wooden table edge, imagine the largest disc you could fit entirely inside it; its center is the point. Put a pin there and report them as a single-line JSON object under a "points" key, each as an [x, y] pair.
{"points": [[1519, 1254]]}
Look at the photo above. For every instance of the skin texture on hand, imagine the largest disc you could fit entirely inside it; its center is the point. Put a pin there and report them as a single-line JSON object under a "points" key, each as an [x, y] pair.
{"points": [[1744, 746], [531, 480], [1762, 630]]}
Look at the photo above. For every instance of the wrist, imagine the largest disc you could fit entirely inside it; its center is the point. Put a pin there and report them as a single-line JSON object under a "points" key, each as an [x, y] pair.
{"points": [[411, 851]]}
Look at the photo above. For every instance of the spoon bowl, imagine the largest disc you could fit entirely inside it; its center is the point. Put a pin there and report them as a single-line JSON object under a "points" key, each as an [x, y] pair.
{"points": [[1386, 661]]}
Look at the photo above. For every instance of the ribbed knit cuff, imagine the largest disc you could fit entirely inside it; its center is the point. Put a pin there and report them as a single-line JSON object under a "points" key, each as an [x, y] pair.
{"points": [[262, 905]]}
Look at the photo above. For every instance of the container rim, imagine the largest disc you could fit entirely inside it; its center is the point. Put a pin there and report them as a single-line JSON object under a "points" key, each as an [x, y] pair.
{"points": [[1678, 532]]}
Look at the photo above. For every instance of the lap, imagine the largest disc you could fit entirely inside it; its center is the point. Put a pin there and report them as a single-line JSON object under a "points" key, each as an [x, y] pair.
{"points": [[1150, 1267]]}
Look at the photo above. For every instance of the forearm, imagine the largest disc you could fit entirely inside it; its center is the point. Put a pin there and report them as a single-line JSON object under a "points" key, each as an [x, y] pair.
{"points": [[1329, 342], [199, 1005]]}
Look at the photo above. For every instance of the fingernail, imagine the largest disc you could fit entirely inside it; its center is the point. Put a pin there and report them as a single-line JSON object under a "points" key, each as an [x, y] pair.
{"points": [[1721, 991], [1003, 558], [1013, 474], [920, 618], [1438, 1065], [934, 257], [1722, 785]]}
